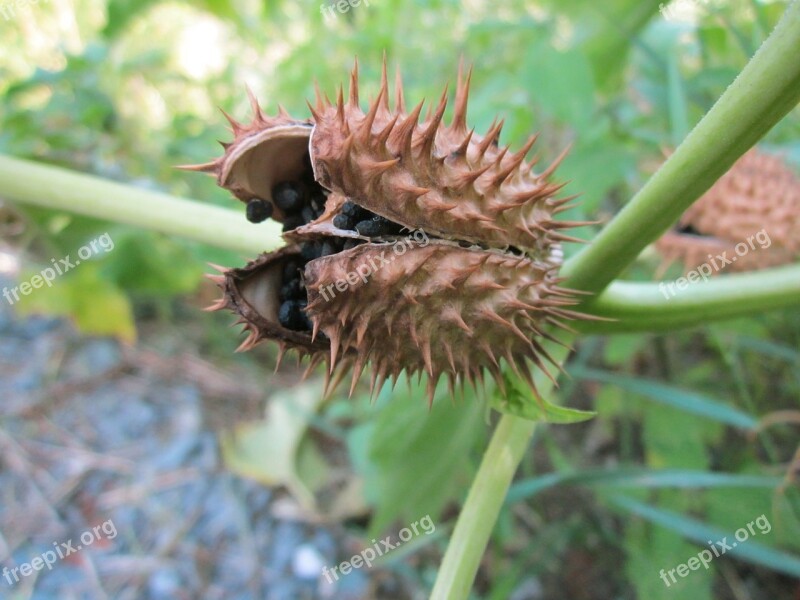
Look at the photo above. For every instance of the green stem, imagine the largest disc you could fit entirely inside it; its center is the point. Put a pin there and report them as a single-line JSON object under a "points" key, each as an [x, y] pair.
{"points": [[656, 307], [28, 182], [486, 497], [765, 91]]}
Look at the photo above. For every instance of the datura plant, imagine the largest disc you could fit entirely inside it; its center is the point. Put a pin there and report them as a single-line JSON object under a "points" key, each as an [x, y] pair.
{"points": [[420, 245], [412, 244]]}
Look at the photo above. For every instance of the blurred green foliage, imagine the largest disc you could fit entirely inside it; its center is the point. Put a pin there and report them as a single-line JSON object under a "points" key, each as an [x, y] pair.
{"points": [[127, 89]]}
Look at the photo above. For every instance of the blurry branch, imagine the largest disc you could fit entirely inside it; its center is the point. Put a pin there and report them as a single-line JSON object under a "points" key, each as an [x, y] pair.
{"points": [[644, 306], [763, 93], [27, 182]]}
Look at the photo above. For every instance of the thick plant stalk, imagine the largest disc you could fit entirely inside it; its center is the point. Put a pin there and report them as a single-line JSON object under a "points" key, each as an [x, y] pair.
{"points": [[766, 90], [651, 306], [476, 521], [27, 182]]}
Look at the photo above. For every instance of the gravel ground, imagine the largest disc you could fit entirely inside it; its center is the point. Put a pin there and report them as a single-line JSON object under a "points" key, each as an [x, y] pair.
{"points": [[111, 454]]}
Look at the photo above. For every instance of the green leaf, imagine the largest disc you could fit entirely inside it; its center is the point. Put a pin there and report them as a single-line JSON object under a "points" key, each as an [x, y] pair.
{"points": [[672, 396], [561, 83], [598, 164], [153, 264], [663, 448], [678, 106], [701, 532], [122, 11], [96, 305], [274, 451], [607, 32], [768, 348], [648, 550], [520, 401], [421, 457], [640, 478]]}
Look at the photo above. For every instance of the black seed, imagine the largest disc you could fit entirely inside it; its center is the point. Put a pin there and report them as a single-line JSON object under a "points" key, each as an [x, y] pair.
{"points": [[350, 244], [303, 319], [328, 247], [258, 210], [310, 250], [393, 228], [308, 214], [292, 222], [291, 315], [290, 269], [366, 214], [354, 211], [292, 290], [389, 227], [285, 314], [342, 221], [689, 230], [370, 228], [289, 196]]}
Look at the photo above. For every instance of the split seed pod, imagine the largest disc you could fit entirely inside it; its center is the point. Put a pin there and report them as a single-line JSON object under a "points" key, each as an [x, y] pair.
{"points": [[411, 245], [756, 203]]}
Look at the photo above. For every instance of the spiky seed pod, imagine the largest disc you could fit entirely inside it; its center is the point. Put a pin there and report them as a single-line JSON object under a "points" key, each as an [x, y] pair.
{"points": [[453, 183], [453, 310], [758, 193], [476, 283], [263, 153], [250, 292]]}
